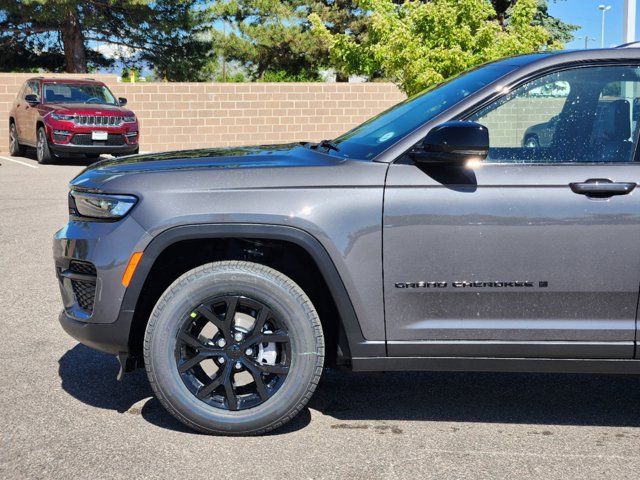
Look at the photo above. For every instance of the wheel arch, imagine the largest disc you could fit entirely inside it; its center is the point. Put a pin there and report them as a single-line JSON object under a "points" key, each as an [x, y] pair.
{"points": [[350, 340]]}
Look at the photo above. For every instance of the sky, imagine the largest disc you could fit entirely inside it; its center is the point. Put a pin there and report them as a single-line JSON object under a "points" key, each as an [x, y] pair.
{"points": [[585, 13]]}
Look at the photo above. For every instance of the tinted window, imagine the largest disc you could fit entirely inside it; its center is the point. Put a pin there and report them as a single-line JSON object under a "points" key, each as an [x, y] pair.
{"points": [[77, 93], [577, 115], [377, 134]]}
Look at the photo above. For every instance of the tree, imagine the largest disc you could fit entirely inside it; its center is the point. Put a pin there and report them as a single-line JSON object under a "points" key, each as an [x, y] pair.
{"points": [[559, 31], [420, 44], [137, 30], [269, 37], [22, 56]]}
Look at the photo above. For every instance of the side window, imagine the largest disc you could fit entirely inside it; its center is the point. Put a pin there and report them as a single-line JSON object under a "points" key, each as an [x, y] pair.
{"points": [[588, 114], [32, 89]]}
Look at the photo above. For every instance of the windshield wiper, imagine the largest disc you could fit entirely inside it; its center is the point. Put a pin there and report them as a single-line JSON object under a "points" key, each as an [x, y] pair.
{"points": [[328, 144]]}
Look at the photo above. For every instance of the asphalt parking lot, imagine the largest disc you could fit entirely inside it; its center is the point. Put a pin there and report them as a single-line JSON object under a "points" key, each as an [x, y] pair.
{"points": [[64, 415]]}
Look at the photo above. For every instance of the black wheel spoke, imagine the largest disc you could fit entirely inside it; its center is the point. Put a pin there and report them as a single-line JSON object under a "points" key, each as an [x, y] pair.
{"points": [[203, 354], [222, 326], [232, 305], [266, 368], [232, 400], [208, 389], [276, 369], [192, 362], [261, 319], [261, 388], [276, 337], [190, 340]]}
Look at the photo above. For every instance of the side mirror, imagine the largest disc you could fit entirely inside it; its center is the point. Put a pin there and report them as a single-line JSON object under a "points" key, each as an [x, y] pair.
{"points": [[122, 101], [31, 99], [453, 143]]}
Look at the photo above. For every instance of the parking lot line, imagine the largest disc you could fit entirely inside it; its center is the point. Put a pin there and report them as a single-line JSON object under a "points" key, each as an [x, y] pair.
{"points": [[18, 161]]}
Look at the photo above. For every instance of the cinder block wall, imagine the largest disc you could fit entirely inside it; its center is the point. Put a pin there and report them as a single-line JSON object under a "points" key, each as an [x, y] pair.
{"points": [[194, 115]]}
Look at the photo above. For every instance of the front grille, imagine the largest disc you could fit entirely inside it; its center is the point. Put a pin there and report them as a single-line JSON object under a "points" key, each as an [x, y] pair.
{"points": [[114, 139], [98, 120], [85, 293], [85, 268], [83, 289]]}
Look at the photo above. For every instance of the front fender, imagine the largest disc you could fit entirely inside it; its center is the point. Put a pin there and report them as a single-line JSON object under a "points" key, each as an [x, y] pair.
{"points": [[358, 345]]}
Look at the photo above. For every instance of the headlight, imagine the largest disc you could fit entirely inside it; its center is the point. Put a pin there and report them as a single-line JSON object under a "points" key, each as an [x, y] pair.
{"points": [[97, 205], [62, 116], [129, 119]]}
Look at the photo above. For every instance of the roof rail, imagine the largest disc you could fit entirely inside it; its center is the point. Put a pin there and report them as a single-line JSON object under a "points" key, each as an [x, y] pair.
{"points": [[630, 45], [89, 78]]}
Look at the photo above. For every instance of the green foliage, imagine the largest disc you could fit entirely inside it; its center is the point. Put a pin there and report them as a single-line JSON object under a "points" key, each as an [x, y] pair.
{"points": [[269, 37], [166, 34], [418, 44], [272, 40], [284, 76], [20, 55], [559, 31], [130, 75], [177, 42], [234, 77]]}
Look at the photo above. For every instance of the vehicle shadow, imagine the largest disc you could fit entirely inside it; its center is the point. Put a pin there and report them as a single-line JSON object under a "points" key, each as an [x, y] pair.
{"points": [[90, 376], [549, 399], [79, 160]]}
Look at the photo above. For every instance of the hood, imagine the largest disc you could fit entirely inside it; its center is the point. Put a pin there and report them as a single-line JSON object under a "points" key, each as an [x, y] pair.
{"points": [[88, 109], [255, 157]]}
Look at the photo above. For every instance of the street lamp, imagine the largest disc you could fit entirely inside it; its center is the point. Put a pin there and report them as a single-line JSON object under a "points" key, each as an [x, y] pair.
{"points": [[587, 39], [603, 9]]}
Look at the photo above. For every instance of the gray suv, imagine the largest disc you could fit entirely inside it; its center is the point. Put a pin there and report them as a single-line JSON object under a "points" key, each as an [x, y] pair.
{"points": [[428, 238]]}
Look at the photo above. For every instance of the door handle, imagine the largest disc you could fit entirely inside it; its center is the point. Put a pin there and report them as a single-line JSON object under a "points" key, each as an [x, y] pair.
{"points": [[602, 187]]}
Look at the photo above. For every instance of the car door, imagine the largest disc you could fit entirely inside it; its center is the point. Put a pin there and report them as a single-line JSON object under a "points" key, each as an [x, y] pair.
{"points": [[536, 253], [30, 115], [20, 110]]}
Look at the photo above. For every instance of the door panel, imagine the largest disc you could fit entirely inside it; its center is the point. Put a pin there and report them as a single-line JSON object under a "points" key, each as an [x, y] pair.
{"points": [[510, 224], [506, 259], [31, 115]]}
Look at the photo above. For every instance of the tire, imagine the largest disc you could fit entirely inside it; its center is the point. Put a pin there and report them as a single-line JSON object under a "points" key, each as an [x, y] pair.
{"points": [[43, 153], [15, 149], [291, 321]]}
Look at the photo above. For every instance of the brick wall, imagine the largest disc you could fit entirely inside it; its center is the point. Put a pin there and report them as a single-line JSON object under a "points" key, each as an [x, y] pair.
{"points": [[193, 115]]}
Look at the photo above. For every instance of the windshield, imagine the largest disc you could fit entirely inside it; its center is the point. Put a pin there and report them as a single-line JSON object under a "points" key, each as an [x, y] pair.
{"points": [[380, 132], [77, 93]]}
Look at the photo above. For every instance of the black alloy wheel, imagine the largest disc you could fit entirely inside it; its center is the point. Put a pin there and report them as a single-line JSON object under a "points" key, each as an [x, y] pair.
{"points": [[259, 347]]}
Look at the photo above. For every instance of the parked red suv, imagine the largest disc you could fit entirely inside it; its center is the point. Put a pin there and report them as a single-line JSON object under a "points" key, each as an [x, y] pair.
{"points": [[63, 116]]}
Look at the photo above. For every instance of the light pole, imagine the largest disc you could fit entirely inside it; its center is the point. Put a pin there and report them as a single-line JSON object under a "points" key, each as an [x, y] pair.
{"points": [[629, 21], [603, 9], [587, 39]]}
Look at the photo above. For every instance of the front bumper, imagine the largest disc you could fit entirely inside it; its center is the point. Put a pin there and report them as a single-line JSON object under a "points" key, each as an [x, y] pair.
{"points": [[100, 322], [107, 337], [94, 149]]}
